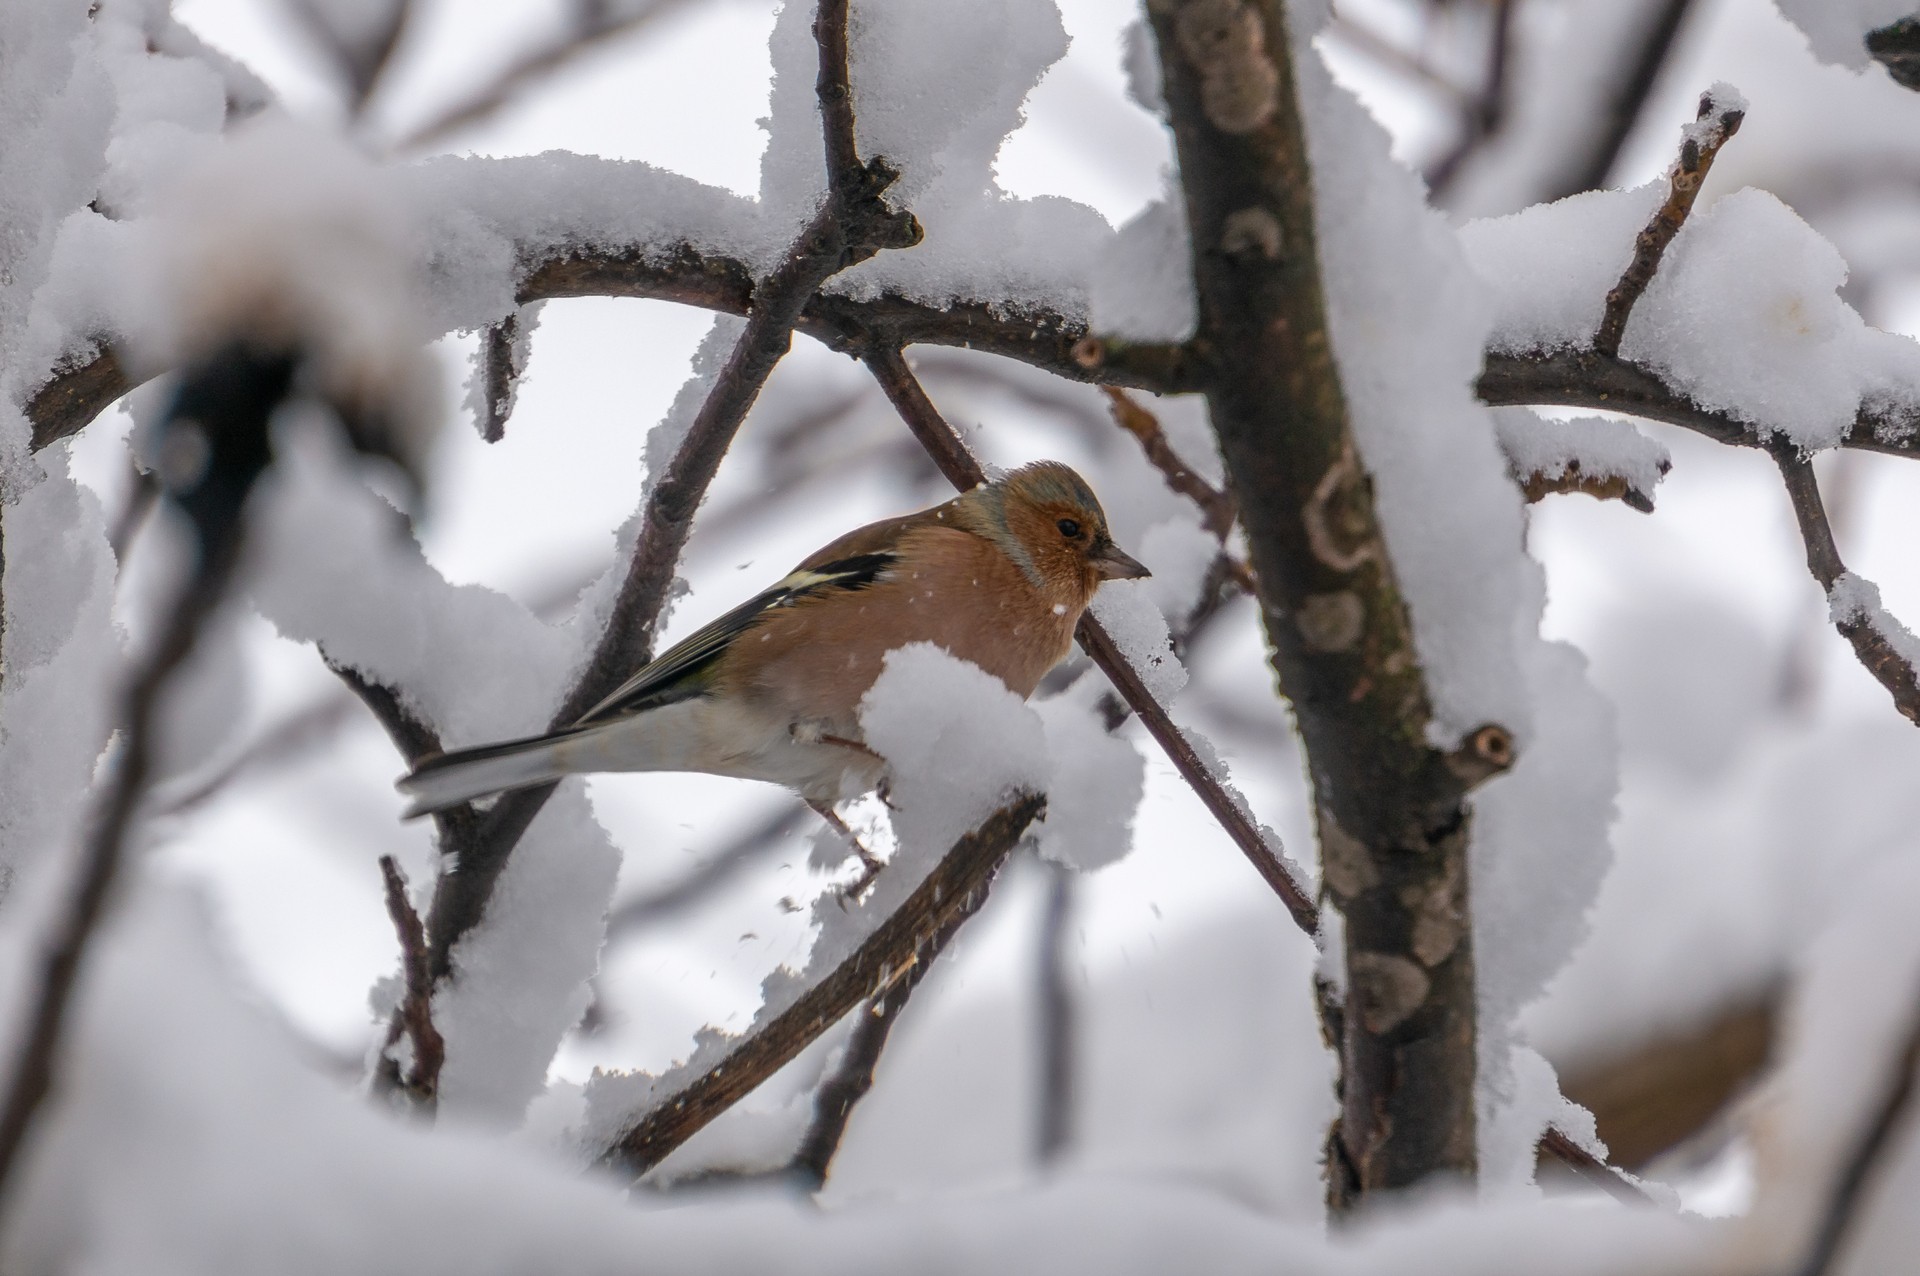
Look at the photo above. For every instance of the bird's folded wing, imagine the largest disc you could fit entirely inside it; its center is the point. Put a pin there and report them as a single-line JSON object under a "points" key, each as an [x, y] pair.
{"points": [[684, 670]]}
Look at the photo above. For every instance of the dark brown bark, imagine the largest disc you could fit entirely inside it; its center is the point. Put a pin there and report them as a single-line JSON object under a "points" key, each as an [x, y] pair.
{"points": [[1392, 812]]}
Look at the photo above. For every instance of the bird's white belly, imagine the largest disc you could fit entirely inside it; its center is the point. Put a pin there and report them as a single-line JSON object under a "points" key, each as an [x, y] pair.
{"points": [[726, 738]]}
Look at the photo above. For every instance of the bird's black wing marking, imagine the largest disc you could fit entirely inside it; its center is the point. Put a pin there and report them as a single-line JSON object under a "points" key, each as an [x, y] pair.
{"points": [[684, 670]]}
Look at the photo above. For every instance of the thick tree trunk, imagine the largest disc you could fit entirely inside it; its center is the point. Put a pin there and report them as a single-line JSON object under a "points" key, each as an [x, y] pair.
{"points": [[1391, 809]]}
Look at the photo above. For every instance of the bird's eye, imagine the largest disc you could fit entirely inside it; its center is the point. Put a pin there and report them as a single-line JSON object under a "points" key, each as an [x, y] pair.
{"points": [[1068, 528]]}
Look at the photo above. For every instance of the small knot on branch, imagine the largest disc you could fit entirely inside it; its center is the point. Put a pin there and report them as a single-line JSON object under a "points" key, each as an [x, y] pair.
{"points": [[1488, 751]]}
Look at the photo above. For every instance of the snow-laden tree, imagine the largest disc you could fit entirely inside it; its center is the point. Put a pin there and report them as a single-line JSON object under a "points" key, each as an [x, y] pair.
{"points": [[1322, 379]]}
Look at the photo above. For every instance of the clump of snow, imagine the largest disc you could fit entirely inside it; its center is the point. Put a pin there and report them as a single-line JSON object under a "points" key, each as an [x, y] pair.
{"points": [[937, 87], [520, 976], [1143, 278], [1745, 317], [1837, 29], [1600, 447], [1547, 269], [1178, 551], [1125, 610], [286, 236], [1097, 781], [63, 657], [1856, 600], [957, 743], [58, 108]]}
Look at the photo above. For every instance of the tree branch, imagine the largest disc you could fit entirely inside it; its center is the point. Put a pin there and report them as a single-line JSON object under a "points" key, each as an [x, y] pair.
{"points": [[1589, 379], [1217, 510], [593, 26], [1054, 1007], [1863, 1161], [1861, 625], [1621, 111], [949, 894], [1391, 808], [228, 398], [1486, 112], [414, 1017], [842, 1090], [1718, 120]]}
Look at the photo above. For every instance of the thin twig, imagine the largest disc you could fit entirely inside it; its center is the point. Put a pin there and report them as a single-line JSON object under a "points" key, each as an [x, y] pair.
{"points": [[142, 491], [950, 893], [1875, 650], [591, 29], [361, 62], [31, 1077], [1627, 96], [229, 397], [712, 871], [1053, 1113], [1345, 28], [1718, 120], [950, 453], [293, 735], [1864, 1161], [1486, 112], [1216, 506], [414, 1017], [499, 375], [1592, 1170]]}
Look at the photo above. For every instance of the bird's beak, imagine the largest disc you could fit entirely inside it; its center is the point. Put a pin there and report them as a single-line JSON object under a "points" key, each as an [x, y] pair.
{"points": [[1114, 563]]}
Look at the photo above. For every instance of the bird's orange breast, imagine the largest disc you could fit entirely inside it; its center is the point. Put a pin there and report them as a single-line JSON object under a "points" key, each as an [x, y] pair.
{"points": [[816, 659]]}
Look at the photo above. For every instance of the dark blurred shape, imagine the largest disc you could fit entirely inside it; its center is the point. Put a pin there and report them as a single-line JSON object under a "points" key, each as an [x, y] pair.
{"points": [[1665, 1089], [214, 444], [1897, 48]]}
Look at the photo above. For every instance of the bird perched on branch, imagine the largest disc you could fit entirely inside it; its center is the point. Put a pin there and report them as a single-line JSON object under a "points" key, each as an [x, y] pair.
{"points": [[998, 576]]}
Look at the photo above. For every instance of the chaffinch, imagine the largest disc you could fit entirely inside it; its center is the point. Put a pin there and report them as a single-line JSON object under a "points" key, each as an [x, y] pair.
{"points": [[998, 576]]}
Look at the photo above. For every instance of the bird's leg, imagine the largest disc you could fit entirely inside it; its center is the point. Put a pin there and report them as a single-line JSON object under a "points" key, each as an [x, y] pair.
{"points": [[869, 862]]}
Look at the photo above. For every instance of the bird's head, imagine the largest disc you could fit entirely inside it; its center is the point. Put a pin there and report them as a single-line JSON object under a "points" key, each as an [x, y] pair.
{"points": [[1048, 521]]}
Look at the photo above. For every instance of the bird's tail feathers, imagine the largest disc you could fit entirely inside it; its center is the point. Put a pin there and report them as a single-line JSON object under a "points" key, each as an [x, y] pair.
{"points": [[448, 779]]}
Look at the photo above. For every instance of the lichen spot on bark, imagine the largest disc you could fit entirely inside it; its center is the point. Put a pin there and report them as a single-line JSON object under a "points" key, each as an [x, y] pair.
{"points": [[1385, 988], [1345, 865], [1439, 915], [1223, 39], [1251, 232], [1332, 622], [1339, 515]]}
